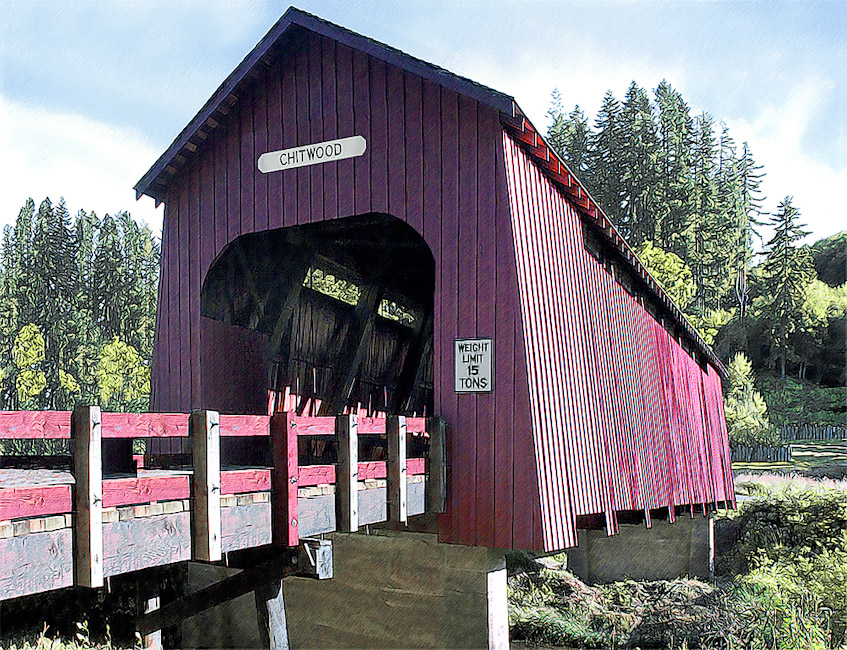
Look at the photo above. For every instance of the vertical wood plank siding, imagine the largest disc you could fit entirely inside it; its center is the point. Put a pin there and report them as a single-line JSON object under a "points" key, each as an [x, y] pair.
{"points": [[623, 418], [434, 160], [596, 409]]}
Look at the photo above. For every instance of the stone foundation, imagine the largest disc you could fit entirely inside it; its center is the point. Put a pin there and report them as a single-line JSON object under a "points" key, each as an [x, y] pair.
{"points": [[663, 552]]}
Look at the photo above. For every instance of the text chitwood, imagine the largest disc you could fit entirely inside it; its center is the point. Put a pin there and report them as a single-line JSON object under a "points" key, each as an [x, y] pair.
{"points": [[312, 154]]}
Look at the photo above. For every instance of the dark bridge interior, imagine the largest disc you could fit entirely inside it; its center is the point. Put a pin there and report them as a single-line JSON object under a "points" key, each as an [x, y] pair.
{"points": [[347, 306]]}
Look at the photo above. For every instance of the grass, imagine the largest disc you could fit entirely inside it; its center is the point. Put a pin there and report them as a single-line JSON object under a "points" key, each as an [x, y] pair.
{"points": [[80, 641], [806, 456], [780, 584]]}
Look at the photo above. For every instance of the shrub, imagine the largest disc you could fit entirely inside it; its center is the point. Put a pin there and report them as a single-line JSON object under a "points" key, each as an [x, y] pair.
{"points": [[791, 556], [779, 611], [746, 411]]}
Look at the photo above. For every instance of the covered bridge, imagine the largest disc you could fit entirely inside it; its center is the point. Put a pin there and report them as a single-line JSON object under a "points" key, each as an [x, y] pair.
{"points": [[403, 208]]}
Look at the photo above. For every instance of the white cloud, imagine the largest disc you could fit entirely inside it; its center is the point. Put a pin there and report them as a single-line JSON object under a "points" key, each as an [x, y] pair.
{"points": [[93, 165], [582, 76], [775, 136]]}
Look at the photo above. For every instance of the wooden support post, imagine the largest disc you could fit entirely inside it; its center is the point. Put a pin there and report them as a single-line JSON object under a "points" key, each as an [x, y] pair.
{"points": [[313, 559], [347, 474], [275, 569], [284, 479], [270, 609], [436, 494], [149, 601], [204, 429], [88, 497], [395, 429]]}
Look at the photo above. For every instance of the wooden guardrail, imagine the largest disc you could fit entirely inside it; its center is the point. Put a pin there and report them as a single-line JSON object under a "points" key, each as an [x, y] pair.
{"points": [[813, 432], [102, 441], [761, 454]]}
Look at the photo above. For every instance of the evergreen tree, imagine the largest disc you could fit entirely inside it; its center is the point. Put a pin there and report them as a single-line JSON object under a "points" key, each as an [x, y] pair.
{"points": [[108, 284], [702, 254], [556, 130], [568, 135], [749, 212], [746, 411], [674, 185], [604, 157], [786, 272], [638, 157], [726, 229], [53, 293]]}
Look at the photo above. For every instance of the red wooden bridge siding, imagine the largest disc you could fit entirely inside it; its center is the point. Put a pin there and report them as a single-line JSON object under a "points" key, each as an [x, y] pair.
{"points": [[595, 409], [624, 418], [434, 159]]}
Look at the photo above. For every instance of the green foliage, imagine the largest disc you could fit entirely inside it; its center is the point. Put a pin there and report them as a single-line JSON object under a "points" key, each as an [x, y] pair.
{"points": [[67, 381], [830, 259], [791, 555], [712, 323], [30, 383], [122, 375], [28, 353], [333, 286], [66, 291], [792, 402], [746, 411], [782, 612], [669, 271], [28, 348]]}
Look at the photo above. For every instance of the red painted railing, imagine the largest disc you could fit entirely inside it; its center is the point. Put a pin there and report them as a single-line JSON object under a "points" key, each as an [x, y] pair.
{"points": [[23, 497]]}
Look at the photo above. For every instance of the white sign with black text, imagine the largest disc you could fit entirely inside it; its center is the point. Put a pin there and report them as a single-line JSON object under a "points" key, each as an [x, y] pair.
{"points": [[312, 154], [474, 363]]}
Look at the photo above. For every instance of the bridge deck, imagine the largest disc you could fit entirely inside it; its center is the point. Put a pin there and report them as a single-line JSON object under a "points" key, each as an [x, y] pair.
{"points": [[147, 516]]}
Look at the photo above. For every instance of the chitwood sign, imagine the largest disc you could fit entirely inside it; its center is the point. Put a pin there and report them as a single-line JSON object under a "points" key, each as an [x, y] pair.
{"points": [[312, 154]]}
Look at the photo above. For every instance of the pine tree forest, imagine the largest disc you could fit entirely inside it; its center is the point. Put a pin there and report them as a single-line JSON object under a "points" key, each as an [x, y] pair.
{"points": [[688, 198], [77, 310]]}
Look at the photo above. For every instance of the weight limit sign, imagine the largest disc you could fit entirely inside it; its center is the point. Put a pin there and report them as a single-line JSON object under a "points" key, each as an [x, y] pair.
{"points": [[474, 360]]}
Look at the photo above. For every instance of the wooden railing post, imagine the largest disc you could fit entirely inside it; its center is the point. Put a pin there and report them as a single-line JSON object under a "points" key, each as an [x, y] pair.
{"points": [[436, 465], [347, 474], [147, 590], [395, 429], [88, 496], [284, 479], [204, 430]]}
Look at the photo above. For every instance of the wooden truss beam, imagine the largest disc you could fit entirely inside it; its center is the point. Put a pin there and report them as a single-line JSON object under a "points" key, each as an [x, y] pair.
{"points": [[414, 366], [355, 348]]}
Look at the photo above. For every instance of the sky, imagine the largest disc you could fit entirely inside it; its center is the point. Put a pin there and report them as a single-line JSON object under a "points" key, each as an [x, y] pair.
{"points": [[91, 93]]}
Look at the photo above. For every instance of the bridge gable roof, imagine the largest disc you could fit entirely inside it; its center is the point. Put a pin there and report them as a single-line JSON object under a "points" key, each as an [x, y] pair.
{"points": [[155, 181]]}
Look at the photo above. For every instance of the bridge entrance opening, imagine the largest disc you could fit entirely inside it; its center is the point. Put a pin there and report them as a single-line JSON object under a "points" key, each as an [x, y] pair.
{"points": [[344, 309]]}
